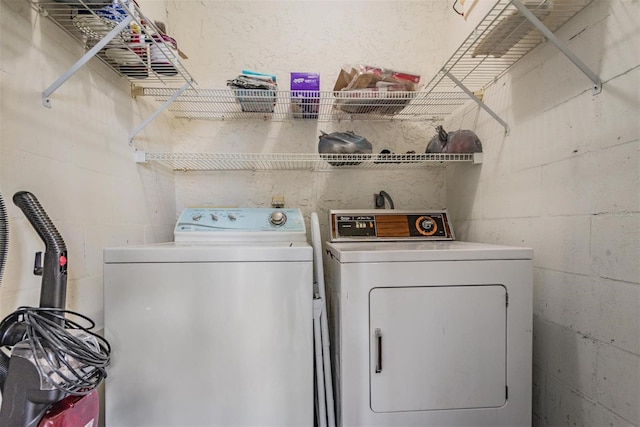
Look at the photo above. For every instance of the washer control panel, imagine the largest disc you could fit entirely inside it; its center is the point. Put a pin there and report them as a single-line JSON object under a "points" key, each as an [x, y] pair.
{"points": [[367, 225], [216, 224]]}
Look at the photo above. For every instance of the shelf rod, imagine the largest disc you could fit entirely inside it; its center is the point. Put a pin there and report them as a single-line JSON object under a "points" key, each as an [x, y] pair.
{"points": [[158, 111], [597, 83], [480, 103], [85, 58]]}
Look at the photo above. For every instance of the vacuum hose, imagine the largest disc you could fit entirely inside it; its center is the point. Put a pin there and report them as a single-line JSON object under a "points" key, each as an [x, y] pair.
{"points": [[54, 270], [4, 237], [4, 249], [48, 346]]}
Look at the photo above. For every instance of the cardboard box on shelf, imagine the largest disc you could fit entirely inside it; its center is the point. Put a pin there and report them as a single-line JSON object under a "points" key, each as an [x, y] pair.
{"points": [[376, 90]]}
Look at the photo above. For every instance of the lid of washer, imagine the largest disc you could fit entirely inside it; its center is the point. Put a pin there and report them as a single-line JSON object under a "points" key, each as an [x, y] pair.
{"points": [[412, 251], [208, 224]]}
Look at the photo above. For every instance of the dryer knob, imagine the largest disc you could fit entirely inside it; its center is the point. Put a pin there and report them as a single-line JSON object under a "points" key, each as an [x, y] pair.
{"points": [[277, 218], [426, 226]]}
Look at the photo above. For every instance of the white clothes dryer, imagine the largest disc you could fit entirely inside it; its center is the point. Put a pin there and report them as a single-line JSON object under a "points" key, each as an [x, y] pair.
{"points": [[427, 331], [214, 329]]}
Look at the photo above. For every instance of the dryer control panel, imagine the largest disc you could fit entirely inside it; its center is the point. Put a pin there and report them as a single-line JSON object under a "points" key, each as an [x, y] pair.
{"points": [[368, 225]]}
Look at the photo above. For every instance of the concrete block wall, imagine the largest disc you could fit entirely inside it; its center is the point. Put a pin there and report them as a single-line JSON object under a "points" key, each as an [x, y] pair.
{"points": [[75, 158], [566, 182]]}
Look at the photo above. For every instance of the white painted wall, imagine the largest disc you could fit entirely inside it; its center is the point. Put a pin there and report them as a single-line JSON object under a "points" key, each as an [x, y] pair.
{"points": [[74, 158], [566, 181]]}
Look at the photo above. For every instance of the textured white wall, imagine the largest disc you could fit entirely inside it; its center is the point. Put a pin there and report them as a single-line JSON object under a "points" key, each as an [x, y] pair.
{"points": [[74, 158], [566, 181], [223, 37]]}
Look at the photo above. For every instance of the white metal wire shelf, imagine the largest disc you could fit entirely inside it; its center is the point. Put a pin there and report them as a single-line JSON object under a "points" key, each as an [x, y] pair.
{"points": [[138, 52], [503, 37], [500, 40], [301, 161], [226, 104]]}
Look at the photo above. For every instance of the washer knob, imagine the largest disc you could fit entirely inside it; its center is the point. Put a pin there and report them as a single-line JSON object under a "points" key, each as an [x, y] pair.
{"points": [[277, 218]]}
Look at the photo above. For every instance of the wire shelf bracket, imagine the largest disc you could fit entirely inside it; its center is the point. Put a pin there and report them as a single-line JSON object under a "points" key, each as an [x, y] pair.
{"points": [[112, 42], [46, 101], [510, 30], [597, 83], [160, 109], [477, 101], [457, 65]]}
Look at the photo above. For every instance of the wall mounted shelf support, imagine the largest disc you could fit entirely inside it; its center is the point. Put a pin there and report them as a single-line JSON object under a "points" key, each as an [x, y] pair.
{"points": [[597, 83], [510, 30], [158, 111], [85, 58], [478, 101], [101, 32]]}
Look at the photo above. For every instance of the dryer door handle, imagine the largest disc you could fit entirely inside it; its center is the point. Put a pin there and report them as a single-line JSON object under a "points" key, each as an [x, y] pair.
{"points": [[378, 334]]}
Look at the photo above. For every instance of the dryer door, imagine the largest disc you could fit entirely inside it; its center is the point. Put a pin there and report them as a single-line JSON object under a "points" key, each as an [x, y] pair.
{"points": [[437, 348]]}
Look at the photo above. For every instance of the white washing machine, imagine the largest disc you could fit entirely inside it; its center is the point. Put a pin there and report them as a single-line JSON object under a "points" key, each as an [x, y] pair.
{"points": [[214, 329], [427, 331]]}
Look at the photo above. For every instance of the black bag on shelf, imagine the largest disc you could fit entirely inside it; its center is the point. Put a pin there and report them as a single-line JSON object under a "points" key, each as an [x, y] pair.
{"points": [[458, 141], [343, 143]]}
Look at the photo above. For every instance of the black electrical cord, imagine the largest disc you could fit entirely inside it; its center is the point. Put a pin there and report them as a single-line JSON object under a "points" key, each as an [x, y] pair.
{"points": [[456, 10], [73, 363], [380, 198]]}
